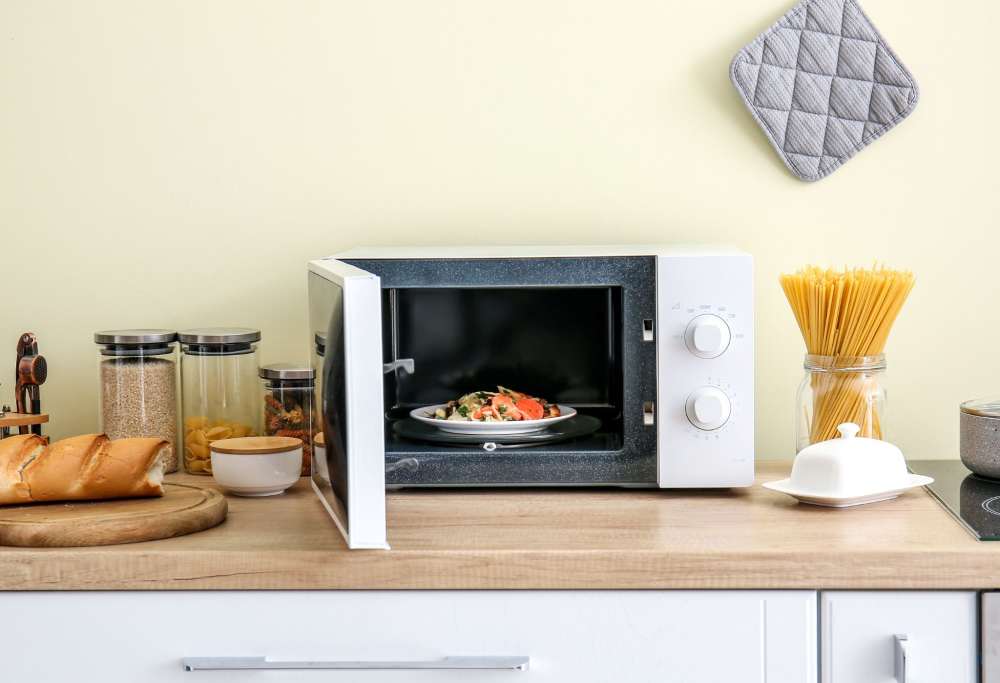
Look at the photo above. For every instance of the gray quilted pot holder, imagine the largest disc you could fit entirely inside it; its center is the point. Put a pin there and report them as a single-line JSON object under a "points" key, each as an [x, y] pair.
{"points": [[823, 84]]}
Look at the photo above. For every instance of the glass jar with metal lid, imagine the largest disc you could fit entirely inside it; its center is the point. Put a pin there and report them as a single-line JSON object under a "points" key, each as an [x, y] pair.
{"points": [[839, 389], [137, 371], [289, 407], [221, 398]]}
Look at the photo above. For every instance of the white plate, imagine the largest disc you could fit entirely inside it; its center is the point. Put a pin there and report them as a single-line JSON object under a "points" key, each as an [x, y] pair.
{"points": [[785, 486], [426, 415]]}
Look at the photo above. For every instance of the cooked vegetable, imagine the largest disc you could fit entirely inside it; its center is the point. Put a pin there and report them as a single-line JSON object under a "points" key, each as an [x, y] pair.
{"points": [[503, 405]]}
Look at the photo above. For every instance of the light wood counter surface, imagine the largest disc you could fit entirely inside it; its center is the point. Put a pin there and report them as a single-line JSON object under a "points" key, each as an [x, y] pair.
{"points": [[601, 539]]}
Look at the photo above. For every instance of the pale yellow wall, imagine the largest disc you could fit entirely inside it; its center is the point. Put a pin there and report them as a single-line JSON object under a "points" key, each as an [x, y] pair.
{"points": [[176, 163]]}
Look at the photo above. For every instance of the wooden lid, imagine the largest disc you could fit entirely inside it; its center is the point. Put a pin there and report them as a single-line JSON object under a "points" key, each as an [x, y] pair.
{"points": [[257, 444]]}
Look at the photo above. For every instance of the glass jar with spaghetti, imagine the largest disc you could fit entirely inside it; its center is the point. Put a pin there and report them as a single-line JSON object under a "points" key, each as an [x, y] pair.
{"points": [[839, 389]]}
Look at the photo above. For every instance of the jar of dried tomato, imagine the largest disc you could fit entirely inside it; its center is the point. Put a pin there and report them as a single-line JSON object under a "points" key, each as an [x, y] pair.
{"points": [[289, 404]]}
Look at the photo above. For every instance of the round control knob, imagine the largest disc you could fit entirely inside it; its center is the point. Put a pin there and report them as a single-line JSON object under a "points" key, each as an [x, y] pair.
{"points": [[708, 408], [707, 336]]}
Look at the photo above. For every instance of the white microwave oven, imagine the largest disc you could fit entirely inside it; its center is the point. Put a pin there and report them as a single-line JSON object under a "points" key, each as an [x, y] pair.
{"points": [[652, 347]]}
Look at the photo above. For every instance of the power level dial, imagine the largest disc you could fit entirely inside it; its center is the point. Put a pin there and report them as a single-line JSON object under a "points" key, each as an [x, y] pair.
{"points": [[708, 408], [707, 336]]}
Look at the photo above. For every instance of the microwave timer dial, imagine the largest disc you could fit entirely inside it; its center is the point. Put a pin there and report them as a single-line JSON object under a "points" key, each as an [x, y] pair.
{"points": [[708, 408], [707, 336]]}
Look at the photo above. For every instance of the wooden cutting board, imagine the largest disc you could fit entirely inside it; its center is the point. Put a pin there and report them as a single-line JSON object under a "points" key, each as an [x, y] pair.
{"points": [[183, 509]]}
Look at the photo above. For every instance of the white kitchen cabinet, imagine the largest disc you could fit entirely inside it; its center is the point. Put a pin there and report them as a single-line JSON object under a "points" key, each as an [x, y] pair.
{"points": [[578, 636], [937, 637]]}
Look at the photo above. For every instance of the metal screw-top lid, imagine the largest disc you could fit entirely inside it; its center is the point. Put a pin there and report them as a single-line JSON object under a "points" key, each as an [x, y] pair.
{"points": [[134, 337], [983, 407], [219, 335], [286, 371]]}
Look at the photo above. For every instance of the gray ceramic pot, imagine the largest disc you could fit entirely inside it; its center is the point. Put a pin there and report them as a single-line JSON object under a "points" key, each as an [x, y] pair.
{"points": [[980, 437]]}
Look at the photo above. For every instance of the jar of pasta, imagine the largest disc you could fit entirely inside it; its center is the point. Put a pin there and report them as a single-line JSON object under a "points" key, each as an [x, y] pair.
{"points": [[839, 389], [220, 394], [288, 406]]}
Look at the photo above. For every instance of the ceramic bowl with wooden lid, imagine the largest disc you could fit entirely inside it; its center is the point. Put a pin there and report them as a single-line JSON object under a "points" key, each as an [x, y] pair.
{"points": [[257, 465]]}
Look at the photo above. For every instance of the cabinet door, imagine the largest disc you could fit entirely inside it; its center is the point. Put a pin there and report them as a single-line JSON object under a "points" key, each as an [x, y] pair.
{"points": [[567, 636], [901, 636]]}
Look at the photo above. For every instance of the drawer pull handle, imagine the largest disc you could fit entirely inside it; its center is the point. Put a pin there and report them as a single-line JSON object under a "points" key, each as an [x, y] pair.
{"points": [[259, 663], [902, 651]]}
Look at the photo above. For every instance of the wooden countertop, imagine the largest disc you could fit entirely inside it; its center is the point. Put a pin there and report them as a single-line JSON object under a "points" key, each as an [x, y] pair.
{"points": [[599, 539]]}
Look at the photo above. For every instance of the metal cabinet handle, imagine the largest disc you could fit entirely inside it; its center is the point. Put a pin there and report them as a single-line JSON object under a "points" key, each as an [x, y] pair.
{"points": [[902, 652], [259, 663]]}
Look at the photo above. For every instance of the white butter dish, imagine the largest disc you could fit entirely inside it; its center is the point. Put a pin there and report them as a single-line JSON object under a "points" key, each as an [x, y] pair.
{"points": [[848, 471]]}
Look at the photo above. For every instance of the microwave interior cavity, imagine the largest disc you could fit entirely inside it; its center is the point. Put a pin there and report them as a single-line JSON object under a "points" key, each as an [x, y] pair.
{"points": [[575, 331]]}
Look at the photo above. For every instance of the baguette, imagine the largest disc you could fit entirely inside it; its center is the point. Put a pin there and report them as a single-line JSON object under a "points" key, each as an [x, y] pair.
{"points": [[86, 467]]}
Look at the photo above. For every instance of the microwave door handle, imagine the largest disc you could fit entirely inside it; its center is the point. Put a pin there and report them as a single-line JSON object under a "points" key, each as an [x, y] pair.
{"points": [[488, 663]]}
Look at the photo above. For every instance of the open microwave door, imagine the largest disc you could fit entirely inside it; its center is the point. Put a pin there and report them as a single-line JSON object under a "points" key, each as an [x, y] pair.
{"points": [[348, 471]]}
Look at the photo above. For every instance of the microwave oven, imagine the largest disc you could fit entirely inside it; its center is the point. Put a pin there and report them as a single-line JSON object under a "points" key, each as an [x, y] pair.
{"points": [[653, 347]]}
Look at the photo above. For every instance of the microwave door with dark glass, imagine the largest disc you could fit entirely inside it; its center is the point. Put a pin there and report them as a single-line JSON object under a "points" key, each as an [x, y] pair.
{"points": [[349, 461]]}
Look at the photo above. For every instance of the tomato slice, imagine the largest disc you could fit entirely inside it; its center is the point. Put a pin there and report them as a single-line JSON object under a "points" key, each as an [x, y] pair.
{"points": [[531, 408], [506, 408]]}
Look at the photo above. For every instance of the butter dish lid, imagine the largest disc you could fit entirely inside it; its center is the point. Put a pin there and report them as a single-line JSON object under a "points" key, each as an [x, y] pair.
{"points": [[982, 407], [848, 471], [849, 443], [848, 466]]}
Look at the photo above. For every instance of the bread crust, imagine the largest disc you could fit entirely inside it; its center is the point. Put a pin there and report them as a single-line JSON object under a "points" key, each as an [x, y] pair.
{"points": [[55, 474], [119, 469], [85, 467], [16, 452]]}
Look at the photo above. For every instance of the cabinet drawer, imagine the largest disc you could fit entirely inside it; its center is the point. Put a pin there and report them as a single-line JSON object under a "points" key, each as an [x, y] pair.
{"points": [[936, 634], [579, 636]]}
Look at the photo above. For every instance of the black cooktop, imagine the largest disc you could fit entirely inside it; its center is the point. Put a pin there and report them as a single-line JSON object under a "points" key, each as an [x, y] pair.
{"points": [[973, 500]]}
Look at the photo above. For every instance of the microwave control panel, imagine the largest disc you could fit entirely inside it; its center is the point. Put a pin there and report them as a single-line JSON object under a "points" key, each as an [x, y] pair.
{"points": [[705, 370]]}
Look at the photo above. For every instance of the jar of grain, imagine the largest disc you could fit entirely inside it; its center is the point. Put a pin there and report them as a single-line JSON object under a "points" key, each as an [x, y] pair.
{"points": [[138, 386], [221, 396], [288, 406]]}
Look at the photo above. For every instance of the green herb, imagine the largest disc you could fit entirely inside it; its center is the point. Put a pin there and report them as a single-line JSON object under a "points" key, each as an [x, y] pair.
{"points": [[463, 411], [503, 409]]}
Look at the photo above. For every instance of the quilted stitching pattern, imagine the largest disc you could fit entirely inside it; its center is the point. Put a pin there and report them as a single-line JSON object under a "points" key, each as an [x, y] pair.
{"points": [[823, 84]]}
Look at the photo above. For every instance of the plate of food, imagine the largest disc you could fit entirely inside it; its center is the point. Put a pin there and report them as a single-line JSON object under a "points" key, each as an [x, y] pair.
{"points": [[503, 411]]}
